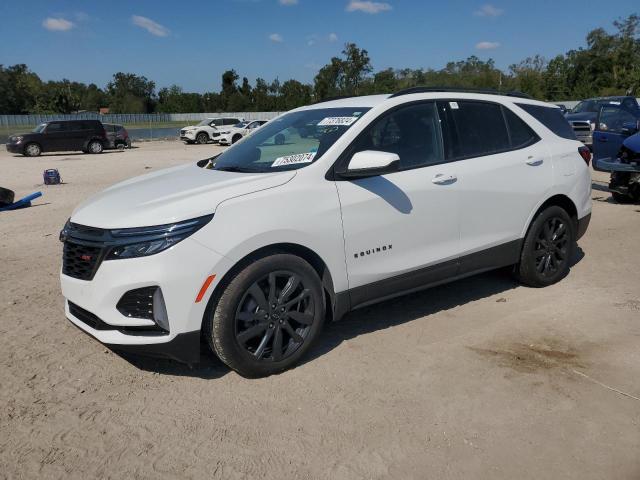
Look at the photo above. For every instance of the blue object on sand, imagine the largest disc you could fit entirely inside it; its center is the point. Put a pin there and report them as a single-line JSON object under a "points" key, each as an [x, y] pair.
{"points": [[22, 203]]}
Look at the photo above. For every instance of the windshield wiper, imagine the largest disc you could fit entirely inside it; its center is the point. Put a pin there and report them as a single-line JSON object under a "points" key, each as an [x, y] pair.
{"points": [[235, 169]]}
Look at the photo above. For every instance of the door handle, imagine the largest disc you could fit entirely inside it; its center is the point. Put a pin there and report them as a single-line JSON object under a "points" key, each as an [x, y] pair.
{"points": [[441, 179], [534, 162]]}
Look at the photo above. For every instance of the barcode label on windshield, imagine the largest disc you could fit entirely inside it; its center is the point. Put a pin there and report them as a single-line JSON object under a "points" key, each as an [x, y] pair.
{"points": [[293, 159], [337, 121]]}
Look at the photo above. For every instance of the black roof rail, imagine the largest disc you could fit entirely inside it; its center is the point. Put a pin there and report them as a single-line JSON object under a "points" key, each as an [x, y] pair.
{"points": [[408, 91]]}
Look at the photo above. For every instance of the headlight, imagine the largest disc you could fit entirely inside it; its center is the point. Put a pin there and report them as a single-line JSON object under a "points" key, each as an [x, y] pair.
{"points": [[225, 133], [145, 241], [17, 139], [593, 126]]}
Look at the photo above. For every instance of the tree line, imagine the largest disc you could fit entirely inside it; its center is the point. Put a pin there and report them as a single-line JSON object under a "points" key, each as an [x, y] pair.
{"points": [[608, 65]]}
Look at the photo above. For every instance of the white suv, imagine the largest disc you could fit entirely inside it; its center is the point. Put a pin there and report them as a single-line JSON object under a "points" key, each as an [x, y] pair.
{"points": [[255, 248], [237, 132], [208, 129]]}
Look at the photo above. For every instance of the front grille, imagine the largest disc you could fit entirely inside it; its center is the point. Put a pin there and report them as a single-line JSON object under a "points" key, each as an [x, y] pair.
{"points": [[80, 261], [137, 303], [581, 126]]}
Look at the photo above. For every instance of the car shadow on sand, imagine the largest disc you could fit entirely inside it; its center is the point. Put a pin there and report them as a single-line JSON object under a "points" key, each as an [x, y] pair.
{"points": [[390, 313]]}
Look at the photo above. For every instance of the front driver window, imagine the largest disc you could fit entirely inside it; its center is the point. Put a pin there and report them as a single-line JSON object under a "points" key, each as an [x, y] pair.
{"points": [[411, 132], [612, 119]]}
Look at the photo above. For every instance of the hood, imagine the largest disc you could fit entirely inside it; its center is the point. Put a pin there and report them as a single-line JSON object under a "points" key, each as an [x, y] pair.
{"points": [[633, 143], [584, 116], [170, 195]]}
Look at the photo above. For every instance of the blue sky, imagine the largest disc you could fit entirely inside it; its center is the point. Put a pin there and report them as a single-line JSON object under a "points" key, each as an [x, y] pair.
{"points": [[192, 42]]}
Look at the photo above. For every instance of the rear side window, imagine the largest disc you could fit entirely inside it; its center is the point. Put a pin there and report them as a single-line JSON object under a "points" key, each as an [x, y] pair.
{"points": [[474, 129], [551, 118]]}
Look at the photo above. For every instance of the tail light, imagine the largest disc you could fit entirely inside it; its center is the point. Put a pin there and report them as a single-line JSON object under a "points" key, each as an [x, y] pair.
{"points": [[585, 153]]}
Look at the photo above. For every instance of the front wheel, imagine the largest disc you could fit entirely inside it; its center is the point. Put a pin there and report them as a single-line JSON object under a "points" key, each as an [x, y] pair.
{"points": [[95, 147], [268, 316], [548, 248], [202, 138], [32, 150]]}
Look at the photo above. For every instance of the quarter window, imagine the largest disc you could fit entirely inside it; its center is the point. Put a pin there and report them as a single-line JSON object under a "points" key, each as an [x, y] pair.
{"points": [[411, 132], [552, 118]]}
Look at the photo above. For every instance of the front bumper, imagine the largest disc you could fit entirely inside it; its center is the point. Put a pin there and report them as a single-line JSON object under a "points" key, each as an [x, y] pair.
{"points": [[14, 147], [179, 272], [586, 138]]}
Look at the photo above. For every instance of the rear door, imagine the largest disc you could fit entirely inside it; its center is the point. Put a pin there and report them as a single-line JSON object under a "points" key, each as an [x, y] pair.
{"points": [[76, 133], [503, 171], [609, 133]]}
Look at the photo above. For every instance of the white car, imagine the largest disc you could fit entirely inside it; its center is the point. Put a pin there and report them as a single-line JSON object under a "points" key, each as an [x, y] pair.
{"points": [[208, 129], [229, 136], [255, 248]]}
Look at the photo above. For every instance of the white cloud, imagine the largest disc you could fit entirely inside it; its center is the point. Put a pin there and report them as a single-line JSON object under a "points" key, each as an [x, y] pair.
{"points": [[150, 26], [487, 45], [276, 38], [488, 10], [288, 2], [368, 7], [333, 37], [57, 24]]}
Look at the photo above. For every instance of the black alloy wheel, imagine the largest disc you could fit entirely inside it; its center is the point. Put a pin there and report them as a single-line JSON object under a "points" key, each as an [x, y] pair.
{"points": [[266, 316], [548, 248], [551, 248], [274, 316]]}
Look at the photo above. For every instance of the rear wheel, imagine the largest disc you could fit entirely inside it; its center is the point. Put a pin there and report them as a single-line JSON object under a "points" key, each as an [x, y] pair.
{"points": [[547, 249], [32, 150], [268, 316], [235, 138], [202, 138], [621, 197], [95, 147]]}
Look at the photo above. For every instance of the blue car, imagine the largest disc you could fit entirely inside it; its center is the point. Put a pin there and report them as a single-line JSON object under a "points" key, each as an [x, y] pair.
{"points": [[617, 150]]}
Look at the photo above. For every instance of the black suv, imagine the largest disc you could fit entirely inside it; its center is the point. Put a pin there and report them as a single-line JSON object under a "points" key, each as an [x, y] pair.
{"points": [[88, 136]]}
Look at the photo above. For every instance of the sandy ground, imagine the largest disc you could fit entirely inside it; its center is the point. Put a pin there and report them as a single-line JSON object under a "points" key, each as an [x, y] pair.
{"points": [[481, 378]]}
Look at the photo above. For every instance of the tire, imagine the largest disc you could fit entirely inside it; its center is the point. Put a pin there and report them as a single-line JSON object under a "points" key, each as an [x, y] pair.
{"points": [[95, 147], [121, 146], [32, 150], [243, 327], [202, 138], [621, 198], [547, 249], [235, 139], [6, 196]]}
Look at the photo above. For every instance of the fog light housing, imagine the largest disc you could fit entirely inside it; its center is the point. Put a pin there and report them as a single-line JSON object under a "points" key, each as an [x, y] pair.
{"points": [[146, 303], [160, 310]]}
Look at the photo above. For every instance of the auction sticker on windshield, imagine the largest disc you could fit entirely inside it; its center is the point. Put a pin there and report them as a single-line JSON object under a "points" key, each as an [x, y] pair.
{"points": [[293, 159], [337, 121]]}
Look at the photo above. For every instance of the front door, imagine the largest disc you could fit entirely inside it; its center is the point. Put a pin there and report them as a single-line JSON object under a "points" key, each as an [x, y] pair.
{"points": [[610, 131], [401, 229]]}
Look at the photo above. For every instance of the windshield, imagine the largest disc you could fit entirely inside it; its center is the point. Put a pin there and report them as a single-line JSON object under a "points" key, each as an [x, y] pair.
{"points": [[204, 122], [289, 142], [586, 106], [40, 128]]}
